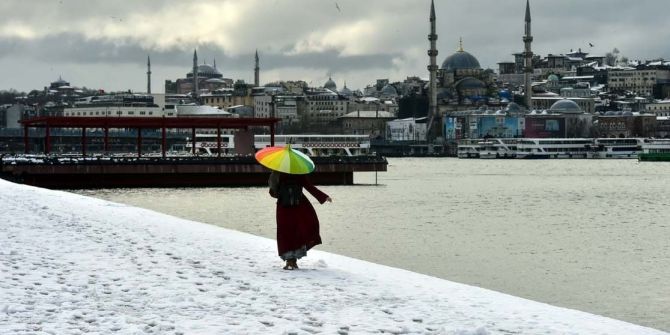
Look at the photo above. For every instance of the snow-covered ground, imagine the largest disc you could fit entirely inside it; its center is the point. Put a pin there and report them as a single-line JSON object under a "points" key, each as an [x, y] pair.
{"points": [[76, 265]]}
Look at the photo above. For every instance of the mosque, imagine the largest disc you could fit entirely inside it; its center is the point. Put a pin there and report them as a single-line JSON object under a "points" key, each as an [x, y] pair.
{"points": [[208, 79], [462, 81]]}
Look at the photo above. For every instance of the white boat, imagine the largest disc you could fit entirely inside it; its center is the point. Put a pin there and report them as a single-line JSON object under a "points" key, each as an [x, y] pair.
{"points": [[656, 146], [320, 145], [627, 148], [541, 148], [468, 149], [487, 148], [312, 145]]}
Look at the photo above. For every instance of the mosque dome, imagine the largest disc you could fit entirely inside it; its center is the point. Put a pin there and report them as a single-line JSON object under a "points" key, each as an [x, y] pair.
{"points": [[461, 60], [565, 106], [553, 78], [513, 107], [346, 91], [206, 71], [330, 84], [389, 90], [470, 83]]}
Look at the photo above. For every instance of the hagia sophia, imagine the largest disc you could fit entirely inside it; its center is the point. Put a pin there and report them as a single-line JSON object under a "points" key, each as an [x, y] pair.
{"points": [[208, 78]]}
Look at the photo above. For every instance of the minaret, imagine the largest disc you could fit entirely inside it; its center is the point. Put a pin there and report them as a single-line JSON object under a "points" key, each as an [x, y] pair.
{"points": [[528, 54], [148, 75], [195, 73], [432, 68], [257, 73]]}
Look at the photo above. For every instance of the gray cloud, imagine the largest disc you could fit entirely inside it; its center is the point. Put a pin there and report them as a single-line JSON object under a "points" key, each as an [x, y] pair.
{"points": [[303, 39]]}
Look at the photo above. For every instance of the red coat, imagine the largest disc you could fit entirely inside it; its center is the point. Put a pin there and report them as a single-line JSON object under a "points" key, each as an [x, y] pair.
{"points": [[298, 226]]}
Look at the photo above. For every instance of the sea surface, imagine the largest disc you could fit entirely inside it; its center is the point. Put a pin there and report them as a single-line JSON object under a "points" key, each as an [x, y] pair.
{"points": [[592, 235]]}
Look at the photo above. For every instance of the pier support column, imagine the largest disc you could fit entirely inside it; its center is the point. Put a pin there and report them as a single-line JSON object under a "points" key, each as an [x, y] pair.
{"points": [[26, 145], [193, 140], [164, 142], [272, 135], [106, 140], [47, 140], [218, 141], [83, 141], [139, 142]]}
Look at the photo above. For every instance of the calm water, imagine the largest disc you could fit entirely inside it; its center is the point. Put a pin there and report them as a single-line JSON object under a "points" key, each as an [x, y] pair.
{"points": [[592, 235]]}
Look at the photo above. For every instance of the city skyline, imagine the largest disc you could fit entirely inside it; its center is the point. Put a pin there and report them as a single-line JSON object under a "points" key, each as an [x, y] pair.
{"points": [[105, 45]]}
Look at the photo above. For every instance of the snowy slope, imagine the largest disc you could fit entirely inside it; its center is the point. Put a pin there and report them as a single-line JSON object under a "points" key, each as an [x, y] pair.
{"points": [[76, 265]]}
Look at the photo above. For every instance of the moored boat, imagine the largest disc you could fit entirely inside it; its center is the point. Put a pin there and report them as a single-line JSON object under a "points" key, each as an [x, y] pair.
{"points": [[544, 148], [655, 150]]}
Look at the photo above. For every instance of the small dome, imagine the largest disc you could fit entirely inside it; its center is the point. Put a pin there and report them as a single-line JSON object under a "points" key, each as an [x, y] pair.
{"points": [[513, 107], [565, 106], [389, 90], [553, 78], [629, 113], [206, 70], [459, 61], [345, 91], [330, 84], [610, 113], [470, 83], [500, 112]]}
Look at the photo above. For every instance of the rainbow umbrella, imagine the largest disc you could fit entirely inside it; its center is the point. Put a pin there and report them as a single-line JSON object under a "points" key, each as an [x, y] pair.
{"points": [[285, 159]]}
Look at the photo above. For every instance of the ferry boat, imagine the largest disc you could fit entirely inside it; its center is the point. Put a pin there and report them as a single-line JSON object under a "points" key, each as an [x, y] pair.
{"points": [[207, 145], [487, 148], [468, 149], [625, 148], [655, 150], [320, 145], [312, 145], [543, 148]]}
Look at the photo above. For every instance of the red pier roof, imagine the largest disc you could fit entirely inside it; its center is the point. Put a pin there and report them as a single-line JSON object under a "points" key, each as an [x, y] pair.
{"points": [[148, 122]]}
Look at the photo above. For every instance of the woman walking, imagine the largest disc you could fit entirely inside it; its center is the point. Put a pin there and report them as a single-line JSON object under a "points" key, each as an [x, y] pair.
{"points": [[297, 223]]}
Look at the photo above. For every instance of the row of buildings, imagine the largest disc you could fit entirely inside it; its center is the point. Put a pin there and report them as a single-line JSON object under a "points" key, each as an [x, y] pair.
{"points": [[571, 94]]}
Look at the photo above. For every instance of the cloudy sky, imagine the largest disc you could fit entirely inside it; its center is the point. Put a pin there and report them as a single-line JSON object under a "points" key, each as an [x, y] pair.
{"points": [[104, 44]]}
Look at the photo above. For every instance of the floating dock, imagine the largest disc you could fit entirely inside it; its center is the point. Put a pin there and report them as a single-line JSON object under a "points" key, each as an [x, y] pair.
{"points": [[63, 172]]}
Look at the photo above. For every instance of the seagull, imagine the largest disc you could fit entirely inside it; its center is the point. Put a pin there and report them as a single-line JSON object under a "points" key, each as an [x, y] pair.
{"points": [[591, 45], [338, 7]]}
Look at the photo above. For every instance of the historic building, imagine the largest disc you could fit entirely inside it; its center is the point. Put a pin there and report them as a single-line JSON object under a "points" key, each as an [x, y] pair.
{"points": [[201, 79], [462, 80], [371, 123]]}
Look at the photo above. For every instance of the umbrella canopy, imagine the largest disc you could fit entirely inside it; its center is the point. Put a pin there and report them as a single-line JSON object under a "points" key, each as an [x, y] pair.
{"points": [[285, 159]]}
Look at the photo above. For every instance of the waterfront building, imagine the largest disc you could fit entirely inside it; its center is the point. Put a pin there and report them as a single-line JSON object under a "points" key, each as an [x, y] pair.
{"points": [[286, 106], [120, 105], [407, 130], [323, 107], [371, 123], [625, 125]]}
